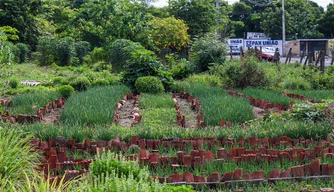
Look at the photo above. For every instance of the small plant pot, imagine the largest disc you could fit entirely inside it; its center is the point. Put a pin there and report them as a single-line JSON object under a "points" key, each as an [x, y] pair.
{"points": [[176, 178], [274, 174], [199, 179], [228, 176], [214, 177], [188, 177]]}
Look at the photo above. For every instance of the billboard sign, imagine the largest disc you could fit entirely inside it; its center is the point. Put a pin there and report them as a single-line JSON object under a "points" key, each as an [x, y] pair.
{"points": [[263, 43], [236, 44], [255, 35]]}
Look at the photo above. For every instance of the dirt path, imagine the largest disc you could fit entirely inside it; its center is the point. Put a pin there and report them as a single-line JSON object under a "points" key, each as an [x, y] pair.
{"points": [[190, 115], [127, 113], [52, 117]]}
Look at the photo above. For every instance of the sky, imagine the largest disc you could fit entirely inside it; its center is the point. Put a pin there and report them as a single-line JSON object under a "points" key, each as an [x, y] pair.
{"points": [[161, 3]]}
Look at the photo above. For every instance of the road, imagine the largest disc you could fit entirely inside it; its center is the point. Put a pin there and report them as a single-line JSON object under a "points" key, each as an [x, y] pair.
{"points": [[293, 59]]}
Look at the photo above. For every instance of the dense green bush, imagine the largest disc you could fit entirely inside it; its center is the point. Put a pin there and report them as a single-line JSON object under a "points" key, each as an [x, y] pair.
{"points": [[242, 74], [149, 84], [99, 54], [60, 81], [64, 51], [65, 90], [120, 51], [207, 51], [100, 82], [206, 79], [82, 48], [182, 70], [13, 83], [145, 63], [80, 83], [45, 48], [113, 79], [22, 52], [295, 82]]}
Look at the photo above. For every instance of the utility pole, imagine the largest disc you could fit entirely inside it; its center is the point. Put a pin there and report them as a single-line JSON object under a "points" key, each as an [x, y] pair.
{"points": [[283, 30]]}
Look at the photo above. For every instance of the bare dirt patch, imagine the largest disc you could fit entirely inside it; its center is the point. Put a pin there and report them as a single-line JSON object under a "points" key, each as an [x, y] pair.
{"points": [[52, 117], [127, 113], [186, 110]]}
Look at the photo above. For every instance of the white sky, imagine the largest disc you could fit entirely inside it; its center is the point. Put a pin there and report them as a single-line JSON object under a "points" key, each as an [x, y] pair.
{"points": [[161, 3]]}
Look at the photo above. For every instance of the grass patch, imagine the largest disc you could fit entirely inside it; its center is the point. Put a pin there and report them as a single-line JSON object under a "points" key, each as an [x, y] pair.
{"points": [[217, 105], [292, 129], [157, 110], [29, 103], [267, 95], [317, 95], [95, 106]]}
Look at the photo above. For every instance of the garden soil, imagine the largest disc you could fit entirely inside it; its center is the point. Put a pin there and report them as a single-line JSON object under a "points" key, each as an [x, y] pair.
{"points": [[190, 115], [125, 114]]}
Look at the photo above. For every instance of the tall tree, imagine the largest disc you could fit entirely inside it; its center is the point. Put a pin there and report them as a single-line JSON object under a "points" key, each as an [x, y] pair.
{"points": [[199, 15], [326, 23], [21, 14]]}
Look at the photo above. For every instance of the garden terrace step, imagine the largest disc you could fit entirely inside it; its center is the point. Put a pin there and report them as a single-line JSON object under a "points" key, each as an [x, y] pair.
{"points": [[188, 108], [41, 113], [312, 170], [127, 111], [258, 102], [300, 97]]}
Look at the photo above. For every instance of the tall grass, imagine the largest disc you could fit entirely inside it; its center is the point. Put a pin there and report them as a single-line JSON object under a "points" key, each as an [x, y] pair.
{"points": [[95, 106], [267, 95], [217, 105], [317, 95], [28, 103], [17, 158], [157, 110], [292, 129]]}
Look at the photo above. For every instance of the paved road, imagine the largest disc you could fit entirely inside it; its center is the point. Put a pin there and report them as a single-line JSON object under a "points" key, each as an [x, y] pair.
{"points": [[293, 59]]}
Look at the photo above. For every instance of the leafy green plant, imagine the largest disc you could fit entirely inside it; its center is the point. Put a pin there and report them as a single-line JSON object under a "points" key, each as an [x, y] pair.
{"points": [[60, 81], [145, 63], [65, 90], [64, 51], [22, 52], [17, 157], [149, 84], [80, 83], [207, 51], [120, 51], [13, 83], [182, 70], [82, 48], [45, 48], [100, 82]]}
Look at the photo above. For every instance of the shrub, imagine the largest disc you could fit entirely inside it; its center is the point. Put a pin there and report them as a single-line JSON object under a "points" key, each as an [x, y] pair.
{"points": [[64, 51], [295, 82], [206, 51], [100, 82], [100, 66], [120, 51], [113, 79], [145, 63], [65, 90], [242, 74], [45, 48], [80, 83], [206, 79], [82, 48], [22, 52], [60, 81], [13, 83], [99, 54], [149, 84], [182, 70]]}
